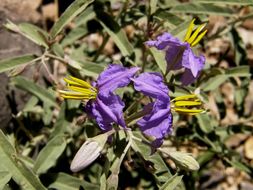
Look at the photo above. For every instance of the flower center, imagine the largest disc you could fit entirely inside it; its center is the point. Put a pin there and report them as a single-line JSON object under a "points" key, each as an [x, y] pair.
{"points": [[193, 38], [188, 104], [78, 89]]}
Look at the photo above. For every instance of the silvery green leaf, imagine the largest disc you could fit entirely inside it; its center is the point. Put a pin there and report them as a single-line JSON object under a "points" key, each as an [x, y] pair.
{"points": [[184, 161]]}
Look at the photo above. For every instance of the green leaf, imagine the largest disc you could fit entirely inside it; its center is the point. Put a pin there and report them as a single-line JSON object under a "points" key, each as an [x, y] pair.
{"points": [[172, 182], [205, 157], [74, 35], [239, 165], [30, 31], [204, 123], [58, 49], [37, 35], [162, 173], [239, 71], [169, 17], [12, 63], [5, 177], [34, 89], [232, 2], [49, 154], [72, 11], [213, 82], [183, 160], [117, 34], [61, 124], [67, 182], [87, 68], [153, 4], [85, 16], [20, 173], [159, 57], [195, 8]]}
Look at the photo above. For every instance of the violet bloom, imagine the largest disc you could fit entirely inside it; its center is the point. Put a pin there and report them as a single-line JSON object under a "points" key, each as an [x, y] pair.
{"points": [[180, 55], [158, 122], [103, 104]]}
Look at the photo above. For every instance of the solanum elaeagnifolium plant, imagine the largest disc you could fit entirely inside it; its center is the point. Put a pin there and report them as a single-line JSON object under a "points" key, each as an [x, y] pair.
{"points": [[123, 105], [155, 119]]}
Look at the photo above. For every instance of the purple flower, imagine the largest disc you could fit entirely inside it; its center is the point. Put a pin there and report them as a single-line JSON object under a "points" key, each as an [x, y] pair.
{"points": [[180, 55], [103, 104], [158, 122]]}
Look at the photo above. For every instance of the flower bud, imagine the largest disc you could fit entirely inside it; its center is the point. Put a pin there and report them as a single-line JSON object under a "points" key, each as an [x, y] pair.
{"points": [[184, 160], [88, 152], [112, 182]]}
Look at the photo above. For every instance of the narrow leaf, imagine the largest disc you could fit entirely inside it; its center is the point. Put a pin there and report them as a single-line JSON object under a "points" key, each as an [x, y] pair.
{"points": [[67, 182], [204, 123], [21, 175], [74, 35], [117, 34], [232, 2], [5, 177], [72, 11], [159, 57], [162, 172], [30, 31], [12, 63], [87, 68], [172, 183], [49, 154], [195, 8], [37, 35], [239, 71], [153, 4], [34, 89], [213, 82]]}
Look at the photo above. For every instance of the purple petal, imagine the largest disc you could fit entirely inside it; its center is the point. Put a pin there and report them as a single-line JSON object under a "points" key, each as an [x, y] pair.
{"points": [[174, 58], [151, 84], [187, 77], [159, 122], [163, 41], [116, 76], [193, 62], [107, 110]]}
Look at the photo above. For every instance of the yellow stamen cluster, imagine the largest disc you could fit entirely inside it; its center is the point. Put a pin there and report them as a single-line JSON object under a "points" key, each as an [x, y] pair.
{"points": [[194, 38], [188, 104], [78, 89]]}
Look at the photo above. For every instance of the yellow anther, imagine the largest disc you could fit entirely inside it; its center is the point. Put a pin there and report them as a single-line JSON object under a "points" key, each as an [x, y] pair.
{"points": [[78, 89], [195, 42], [185, 97], [77, 97], [189, 111], [81, 90], [195, 34], [78, 82], [189, 30], [187, 104]]}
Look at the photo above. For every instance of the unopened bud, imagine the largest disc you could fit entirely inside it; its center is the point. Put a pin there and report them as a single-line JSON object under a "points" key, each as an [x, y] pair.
{"points": [[112, 182], [88, 152], [184, 160]]}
